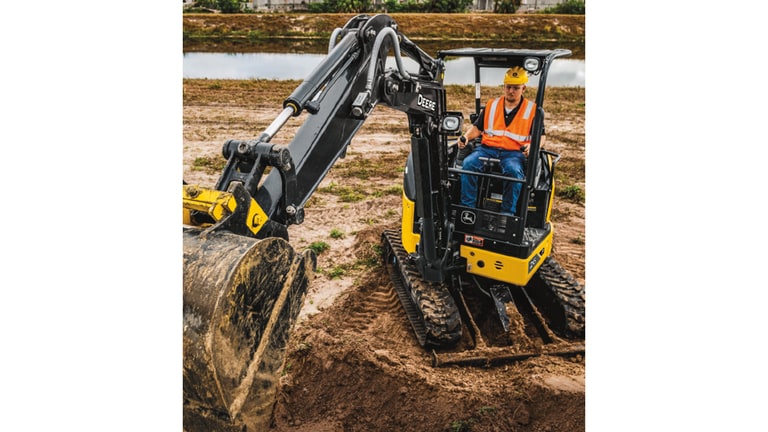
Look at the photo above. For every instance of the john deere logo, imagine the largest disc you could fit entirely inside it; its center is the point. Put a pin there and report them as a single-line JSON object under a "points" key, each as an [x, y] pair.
{"points": [[468, 217]]}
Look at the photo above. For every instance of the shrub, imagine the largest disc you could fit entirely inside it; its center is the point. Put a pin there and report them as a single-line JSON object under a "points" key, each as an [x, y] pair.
{"points": [[505, 6], [448, 6], [569, 7], [343, 6]]}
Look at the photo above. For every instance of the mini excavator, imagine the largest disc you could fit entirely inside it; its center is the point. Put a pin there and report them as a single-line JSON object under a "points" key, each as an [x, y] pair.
{"points": [[478, 286]]}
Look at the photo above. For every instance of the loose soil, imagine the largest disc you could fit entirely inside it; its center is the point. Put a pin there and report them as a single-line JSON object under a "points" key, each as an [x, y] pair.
{"points": [[353, 363]]}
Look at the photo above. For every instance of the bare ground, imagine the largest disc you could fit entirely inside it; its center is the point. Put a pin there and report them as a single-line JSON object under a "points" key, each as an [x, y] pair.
{"points": [[353, 363]]}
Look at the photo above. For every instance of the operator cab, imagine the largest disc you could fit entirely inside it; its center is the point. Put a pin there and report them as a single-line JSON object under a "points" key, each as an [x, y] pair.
{"points": [[485, 227]]}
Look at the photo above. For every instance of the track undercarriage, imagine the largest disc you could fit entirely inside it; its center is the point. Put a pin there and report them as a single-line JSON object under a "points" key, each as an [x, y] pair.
{"points": [[478, 321]]}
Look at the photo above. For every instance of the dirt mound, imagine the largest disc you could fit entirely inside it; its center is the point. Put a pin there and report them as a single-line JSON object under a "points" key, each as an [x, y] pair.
{"points": [[357, 367]]}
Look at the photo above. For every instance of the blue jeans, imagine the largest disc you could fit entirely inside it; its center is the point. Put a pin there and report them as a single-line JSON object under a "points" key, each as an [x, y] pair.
{"points": [[512, 165]]}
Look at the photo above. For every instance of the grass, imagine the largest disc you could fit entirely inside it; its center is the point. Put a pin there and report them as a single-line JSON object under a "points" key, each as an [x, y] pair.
{"points": [[385, 166], [319, 247], [572, 193], [209, 165], [337, 271]]}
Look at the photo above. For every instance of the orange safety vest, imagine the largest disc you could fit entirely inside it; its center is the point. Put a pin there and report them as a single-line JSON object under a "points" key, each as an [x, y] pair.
{"points": [[510, 137]]}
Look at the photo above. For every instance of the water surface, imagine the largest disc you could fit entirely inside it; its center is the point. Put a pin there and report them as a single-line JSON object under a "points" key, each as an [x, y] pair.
{"points": [[564, 72]]}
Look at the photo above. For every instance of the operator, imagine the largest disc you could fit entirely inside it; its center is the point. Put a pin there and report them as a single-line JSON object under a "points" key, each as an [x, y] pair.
{"points": [[506, 139]]}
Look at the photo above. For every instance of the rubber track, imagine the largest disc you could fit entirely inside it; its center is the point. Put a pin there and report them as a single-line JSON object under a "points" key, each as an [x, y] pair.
{"points": [[429, 306], [564, 290]]}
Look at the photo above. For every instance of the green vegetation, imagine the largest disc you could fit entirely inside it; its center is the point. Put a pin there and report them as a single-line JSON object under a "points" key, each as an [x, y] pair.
{"points": [[345, 193], [336, 272], [461, 426], [392, 190], [329, 6], [223, 6], [569, 7], [336, 234], [506, 6], [466, 425], [210, 165], [381, 167], [319, 247], [370, 257], [573, 193]]}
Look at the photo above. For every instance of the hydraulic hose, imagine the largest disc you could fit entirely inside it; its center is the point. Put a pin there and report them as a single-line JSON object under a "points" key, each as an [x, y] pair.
{"points": [[334, 36], [387, 31]]}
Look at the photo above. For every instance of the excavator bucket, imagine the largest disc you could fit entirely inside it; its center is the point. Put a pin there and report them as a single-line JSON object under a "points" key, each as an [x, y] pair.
{"points": [[241, 298]]}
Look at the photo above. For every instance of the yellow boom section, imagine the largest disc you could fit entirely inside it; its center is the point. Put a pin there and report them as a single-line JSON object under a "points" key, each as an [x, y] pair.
{"points": [[218, 205]]}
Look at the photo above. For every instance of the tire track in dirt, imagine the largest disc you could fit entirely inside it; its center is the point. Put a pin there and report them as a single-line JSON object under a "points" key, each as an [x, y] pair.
{"points": [[382, 300]]}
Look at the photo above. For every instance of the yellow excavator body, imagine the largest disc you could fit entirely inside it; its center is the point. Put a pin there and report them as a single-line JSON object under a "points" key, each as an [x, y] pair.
{"points": [[505, 268]]}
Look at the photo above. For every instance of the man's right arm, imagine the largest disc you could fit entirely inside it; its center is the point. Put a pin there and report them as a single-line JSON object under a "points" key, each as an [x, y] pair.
{"points": [[471, 133], [474, 131]]}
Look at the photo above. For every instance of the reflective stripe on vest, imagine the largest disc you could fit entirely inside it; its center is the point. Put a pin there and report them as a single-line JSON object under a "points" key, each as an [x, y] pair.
{"points": [[493, 137]]}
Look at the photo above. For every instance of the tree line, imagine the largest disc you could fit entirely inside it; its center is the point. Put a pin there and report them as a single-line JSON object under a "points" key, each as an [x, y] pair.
{"points": [[575, 7]]}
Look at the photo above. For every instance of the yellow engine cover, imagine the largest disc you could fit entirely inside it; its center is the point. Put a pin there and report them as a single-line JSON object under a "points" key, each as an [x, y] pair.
{"points": [[505, 268]]}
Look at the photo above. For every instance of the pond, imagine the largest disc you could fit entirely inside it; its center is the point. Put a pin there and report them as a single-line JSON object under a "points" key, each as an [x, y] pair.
{"points": [[564, 72]]}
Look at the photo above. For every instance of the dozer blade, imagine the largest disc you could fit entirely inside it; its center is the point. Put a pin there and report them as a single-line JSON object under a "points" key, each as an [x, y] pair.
{"points": [[492, 356], [241, 299], [510, 323]]}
